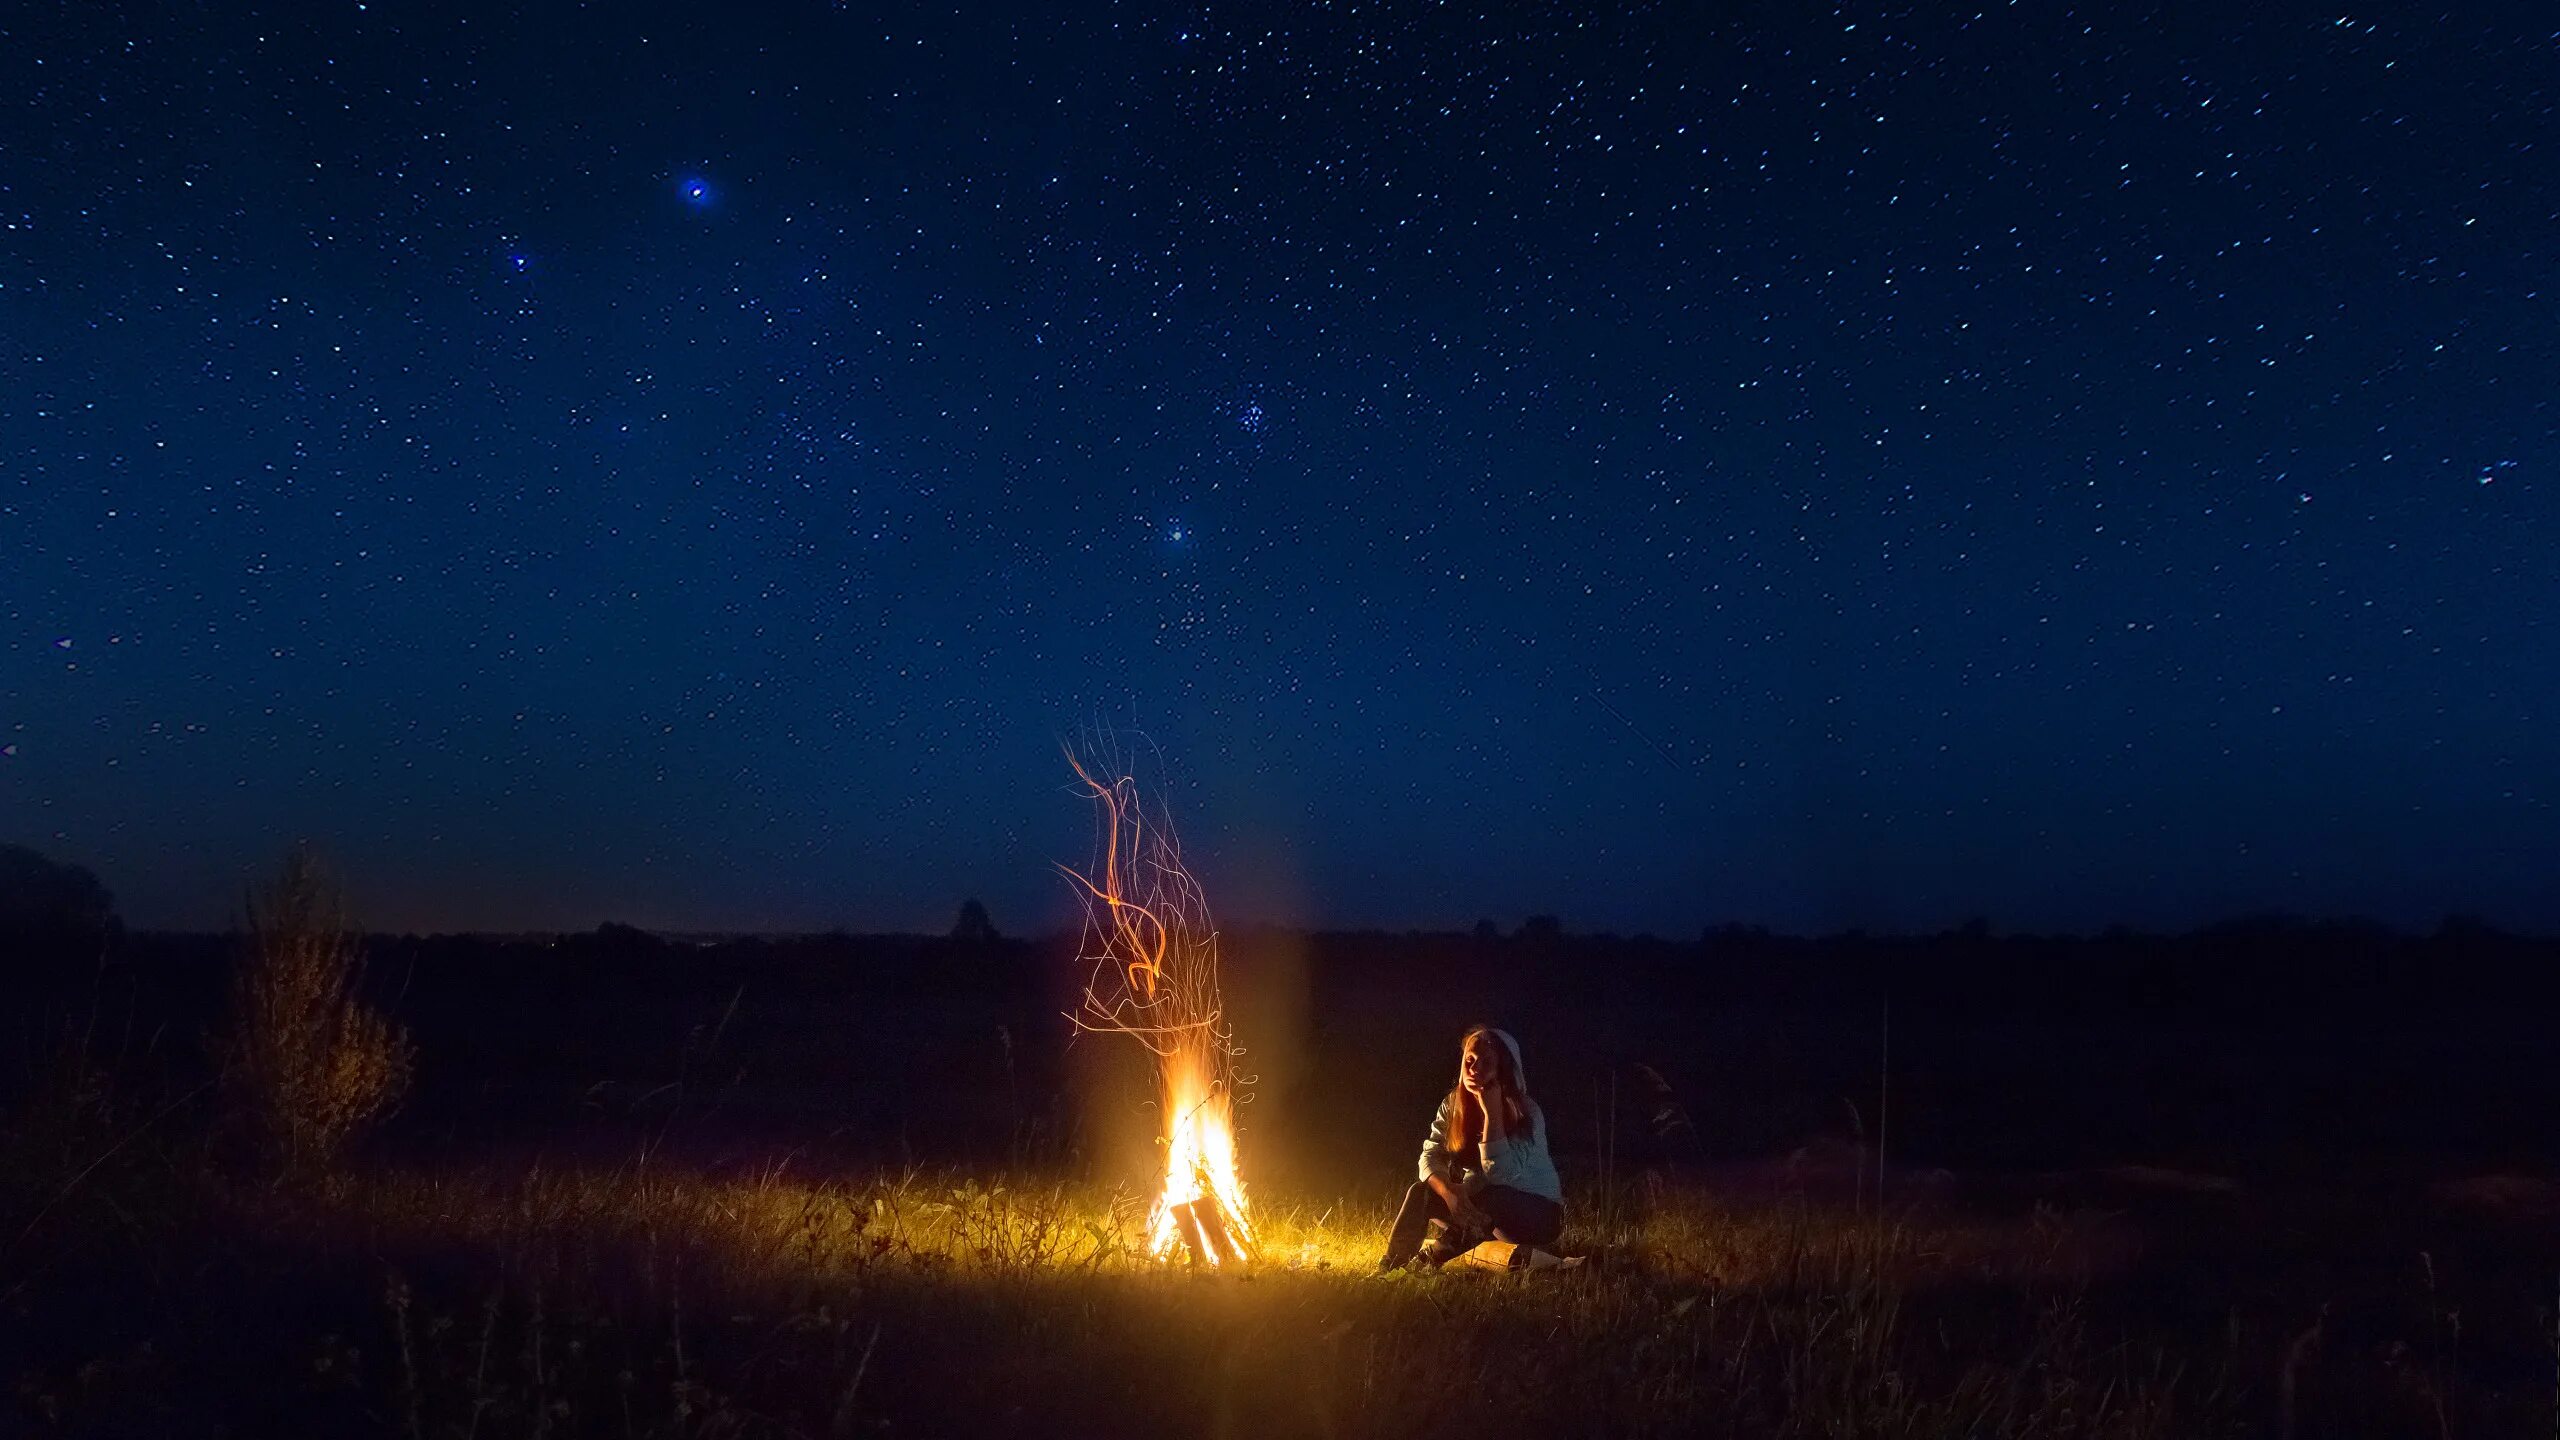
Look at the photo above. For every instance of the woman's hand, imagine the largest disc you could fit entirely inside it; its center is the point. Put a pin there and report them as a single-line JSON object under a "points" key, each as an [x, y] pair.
{"points": [[1462, 1206]]}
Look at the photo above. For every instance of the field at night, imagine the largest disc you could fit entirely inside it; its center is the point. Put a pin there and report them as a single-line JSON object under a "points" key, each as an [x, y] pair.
{"points": [[860, 1185], [813, 718]]}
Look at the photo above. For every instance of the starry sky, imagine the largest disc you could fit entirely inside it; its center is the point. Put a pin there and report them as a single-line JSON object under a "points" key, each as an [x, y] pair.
{"points": [[1660, 465]]}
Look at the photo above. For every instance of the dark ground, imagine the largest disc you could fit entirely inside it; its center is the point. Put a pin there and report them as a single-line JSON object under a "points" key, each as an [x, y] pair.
{"points": [[2289, 1141], [2260, 1051]]}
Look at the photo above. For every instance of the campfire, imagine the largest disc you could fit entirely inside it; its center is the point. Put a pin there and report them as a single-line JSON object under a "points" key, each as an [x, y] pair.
{"points": [[1150, 953]]}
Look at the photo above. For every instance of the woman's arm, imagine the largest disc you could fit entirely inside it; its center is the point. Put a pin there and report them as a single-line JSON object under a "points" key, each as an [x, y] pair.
{"points": [[1439, 1168], [1520, 1160], [1499, 1138]]}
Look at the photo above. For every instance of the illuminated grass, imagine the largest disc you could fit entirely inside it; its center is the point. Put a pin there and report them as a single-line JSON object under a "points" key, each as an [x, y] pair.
{"points": [[772, 1225], [641, 1300], [951, 1304]]}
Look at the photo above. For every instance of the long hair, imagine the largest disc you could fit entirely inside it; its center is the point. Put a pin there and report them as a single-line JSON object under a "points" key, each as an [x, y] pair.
{"points": [[1466, 1120]]}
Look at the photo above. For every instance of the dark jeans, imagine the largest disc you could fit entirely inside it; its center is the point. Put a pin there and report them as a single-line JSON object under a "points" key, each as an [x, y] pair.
{"points": [[1518, 1216]]}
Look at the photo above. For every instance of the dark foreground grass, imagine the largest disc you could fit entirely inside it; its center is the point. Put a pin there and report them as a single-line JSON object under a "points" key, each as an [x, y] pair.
{"points": [[152, 1297]]}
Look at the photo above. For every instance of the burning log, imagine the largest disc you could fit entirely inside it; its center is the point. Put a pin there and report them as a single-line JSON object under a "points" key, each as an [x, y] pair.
{"points": [[1206, 1233]]}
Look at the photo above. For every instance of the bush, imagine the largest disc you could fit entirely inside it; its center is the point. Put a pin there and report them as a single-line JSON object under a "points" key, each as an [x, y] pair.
{"points": [[306, 1065], [56, 921], [973, 926]]}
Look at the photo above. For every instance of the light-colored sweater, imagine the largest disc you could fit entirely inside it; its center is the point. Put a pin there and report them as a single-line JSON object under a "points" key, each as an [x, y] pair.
{"points": [[1517, 1161]]}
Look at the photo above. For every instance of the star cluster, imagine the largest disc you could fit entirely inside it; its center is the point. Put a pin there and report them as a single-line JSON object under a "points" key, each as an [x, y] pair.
{"points": [[1824, 466]]}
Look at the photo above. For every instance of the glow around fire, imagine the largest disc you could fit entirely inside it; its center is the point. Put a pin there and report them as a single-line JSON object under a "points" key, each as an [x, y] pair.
{"points": [[1150, 952]]}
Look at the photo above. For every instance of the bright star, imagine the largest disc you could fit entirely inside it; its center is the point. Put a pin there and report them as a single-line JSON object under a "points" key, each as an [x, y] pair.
{"points": [[695, 190]]}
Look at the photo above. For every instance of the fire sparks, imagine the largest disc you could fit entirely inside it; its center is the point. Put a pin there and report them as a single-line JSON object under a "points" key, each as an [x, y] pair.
{"points": [[1151, 955]]}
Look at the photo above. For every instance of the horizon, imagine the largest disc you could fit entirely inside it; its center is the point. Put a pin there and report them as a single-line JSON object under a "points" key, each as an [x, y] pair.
{"points": [[1711, 932]]}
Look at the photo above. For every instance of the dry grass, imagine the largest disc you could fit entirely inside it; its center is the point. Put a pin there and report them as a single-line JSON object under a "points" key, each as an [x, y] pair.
{"points": [[146, 1292], [638, 1302], [306, 1064], [645, 1301]]}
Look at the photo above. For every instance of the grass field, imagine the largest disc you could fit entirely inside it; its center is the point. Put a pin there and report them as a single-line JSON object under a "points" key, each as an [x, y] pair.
{"points": [[653, 1208], [156, 1298]]}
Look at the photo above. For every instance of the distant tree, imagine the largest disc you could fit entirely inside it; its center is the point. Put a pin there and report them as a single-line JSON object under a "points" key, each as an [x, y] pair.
{"points": [[972, 924], [306, 1065], [2256, 926], [1542, 929], [1487, 932], [2467, 927], [50, 910]]}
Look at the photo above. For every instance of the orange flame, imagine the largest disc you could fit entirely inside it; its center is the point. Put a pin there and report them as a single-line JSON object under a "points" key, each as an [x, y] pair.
{"points": [[1151, 955]]}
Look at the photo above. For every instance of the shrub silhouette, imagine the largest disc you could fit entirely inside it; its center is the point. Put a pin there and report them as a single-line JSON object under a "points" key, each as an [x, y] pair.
{"points": [[51, 911], [306, 1065], [972, 925]]}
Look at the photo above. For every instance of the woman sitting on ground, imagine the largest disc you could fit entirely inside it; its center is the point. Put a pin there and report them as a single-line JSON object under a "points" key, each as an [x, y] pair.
{"points": [[1485, 1171]]}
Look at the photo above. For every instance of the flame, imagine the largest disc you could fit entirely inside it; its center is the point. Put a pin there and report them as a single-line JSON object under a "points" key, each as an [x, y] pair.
{"points": [[1150, 952], [1200, 1161]]}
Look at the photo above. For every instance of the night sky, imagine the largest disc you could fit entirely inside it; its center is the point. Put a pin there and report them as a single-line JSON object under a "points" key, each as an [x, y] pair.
{"points": [[1661, 466]]}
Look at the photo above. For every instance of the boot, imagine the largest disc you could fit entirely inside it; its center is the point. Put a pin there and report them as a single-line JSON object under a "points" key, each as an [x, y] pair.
{"points": [[1440, 1245]]}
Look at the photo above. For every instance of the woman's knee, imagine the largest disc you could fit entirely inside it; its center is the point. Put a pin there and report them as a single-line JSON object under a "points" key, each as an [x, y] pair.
{"points": [[1420, 1203], [1539, 1232], [1530, 1220]]}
